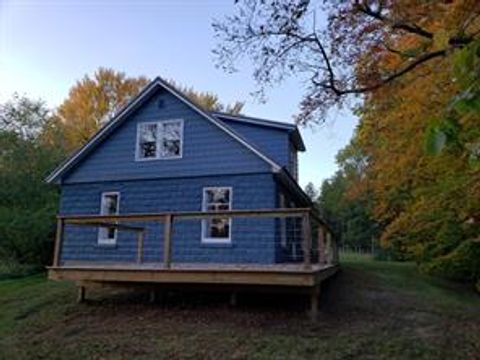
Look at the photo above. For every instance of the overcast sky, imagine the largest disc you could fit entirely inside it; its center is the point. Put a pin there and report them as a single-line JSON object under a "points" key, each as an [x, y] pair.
{"points": [[45, 46]]}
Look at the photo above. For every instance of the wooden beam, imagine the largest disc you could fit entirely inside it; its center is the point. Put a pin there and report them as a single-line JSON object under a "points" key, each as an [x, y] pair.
{"points": [[105, 224], [140, 239], [77, 219], [58, 242], [167, 240], [307, 241], [168, 276]]}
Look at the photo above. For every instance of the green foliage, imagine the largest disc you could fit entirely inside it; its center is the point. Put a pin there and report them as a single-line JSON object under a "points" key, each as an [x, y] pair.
{"points": [[461, 264], [27, 204], [349, 215]]}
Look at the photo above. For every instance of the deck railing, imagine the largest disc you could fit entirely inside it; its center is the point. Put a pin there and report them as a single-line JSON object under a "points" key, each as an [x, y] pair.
{"points": [[322, 251]]}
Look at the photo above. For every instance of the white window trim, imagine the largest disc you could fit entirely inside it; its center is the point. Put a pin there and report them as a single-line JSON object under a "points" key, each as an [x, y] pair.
{"points": [[101, 240], [209, 240], [159, 124]]}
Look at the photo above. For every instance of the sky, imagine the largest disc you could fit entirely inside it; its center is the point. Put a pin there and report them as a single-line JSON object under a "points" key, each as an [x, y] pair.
{"points": [[45, 46]]}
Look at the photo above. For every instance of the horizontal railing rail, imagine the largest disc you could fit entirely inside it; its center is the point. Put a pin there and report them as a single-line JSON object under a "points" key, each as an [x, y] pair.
{"points": [[325, 244]]}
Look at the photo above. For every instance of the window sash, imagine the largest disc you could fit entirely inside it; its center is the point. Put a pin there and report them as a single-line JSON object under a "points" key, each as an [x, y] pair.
{"points": [[108, 235], [217, 230], [167, 142]]}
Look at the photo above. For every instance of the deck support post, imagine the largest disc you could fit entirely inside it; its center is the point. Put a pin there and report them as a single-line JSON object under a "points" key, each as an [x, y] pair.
{"points": [[140, 237], [167, 241], [307, 241], [233, 299], [81, 290], [152, 296], [314, 302]]}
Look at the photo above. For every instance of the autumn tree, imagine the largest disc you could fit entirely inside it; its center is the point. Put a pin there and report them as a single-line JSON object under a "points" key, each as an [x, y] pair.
{"points": [[342, 48], [428, 203], [92, 101], [208, 100]]}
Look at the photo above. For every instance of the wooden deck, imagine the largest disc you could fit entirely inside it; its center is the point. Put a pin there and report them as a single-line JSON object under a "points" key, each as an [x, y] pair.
{"points": [[305, 276], [295, 275]]}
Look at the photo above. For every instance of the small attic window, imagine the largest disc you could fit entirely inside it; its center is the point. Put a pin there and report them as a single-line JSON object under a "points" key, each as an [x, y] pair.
{"points": [[159, 140]]}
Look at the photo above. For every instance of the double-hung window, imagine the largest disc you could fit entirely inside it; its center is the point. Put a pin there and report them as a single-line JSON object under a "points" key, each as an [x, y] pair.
{"points": [[110, 205], [217, 230], [159, 140]]}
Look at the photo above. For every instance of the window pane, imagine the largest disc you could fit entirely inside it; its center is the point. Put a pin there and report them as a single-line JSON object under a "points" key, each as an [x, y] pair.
{"points": [[171, 139], [217, 199], [218, 195], [170, 148], [218, 228], [110, 204], [147, 146]]}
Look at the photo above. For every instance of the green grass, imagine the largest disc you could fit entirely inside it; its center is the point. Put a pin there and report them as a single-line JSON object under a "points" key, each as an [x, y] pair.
{"points": [[371, 310], [404, 277]]}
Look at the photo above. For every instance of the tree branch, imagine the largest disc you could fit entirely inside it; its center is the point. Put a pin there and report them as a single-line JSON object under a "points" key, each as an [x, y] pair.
{"points": [[400, 25], [422, 59]]}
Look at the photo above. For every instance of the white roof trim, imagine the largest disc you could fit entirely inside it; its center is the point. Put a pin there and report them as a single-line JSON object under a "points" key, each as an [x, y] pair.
{"points": [[256, 121], [127, 108]]}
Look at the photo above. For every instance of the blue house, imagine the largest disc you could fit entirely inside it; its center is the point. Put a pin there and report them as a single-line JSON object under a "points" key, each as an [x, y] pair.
{"points": [[165, 156]]}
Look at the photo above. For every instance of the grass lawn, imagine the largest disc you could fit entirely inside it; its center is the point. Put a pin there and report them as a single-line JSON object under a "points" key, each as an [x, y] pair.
{"points": [[370, 310]]}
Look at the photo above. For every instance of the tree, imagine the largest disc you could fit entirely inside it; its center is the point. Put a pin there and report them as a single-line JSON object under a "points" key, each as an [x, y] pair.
{"points": [[311, 191], [93, 101], [428, 204], [27, 204], [346, 48], [342, 206], [207, 100]]}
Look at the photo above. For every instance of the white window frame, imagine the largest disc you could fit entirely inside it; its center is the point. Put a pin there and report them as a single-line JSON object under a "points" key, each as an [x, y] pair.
{"points": [[159, 140], [101, 240], [209, 240]]}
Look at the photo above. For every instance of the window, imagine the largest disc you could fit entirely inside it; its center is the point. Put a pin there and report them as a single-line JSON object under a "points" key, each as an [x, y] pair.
{"points": [[159, 140], [110, 204], [217, 230]]}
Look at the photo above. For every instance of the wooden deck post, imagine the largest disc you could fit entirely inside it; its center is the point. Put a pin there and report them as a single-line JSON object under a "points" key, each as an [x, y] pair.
{"points": [[58, 242], [314, 297], [329, 248], [140, 237], [233, 299], [167, 241], [321, 244], [81, 294], [307, 241]]}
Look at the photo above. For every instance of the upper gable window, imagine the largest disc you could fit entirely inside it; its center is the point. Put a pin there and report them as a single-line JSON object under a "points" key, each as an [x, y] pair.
{"points": [[159, 140]]}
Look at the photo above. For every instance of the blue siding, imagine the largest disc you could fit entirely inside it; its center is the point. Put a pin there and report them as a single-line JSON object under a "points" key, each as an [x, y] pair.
{"points": [[253, 240], [207, 149], [272, 142]]}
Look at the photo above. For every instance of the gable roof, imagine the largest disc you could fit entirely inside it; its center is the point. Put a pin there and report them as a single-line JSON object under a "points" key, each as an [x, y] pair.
{"points": [[292, 129], [136, 102]]}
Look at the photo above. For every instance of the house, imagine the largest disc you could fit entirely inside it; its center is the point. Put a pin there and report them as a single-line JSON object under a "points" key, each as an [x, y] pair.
{"points": [[167, 190]]}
